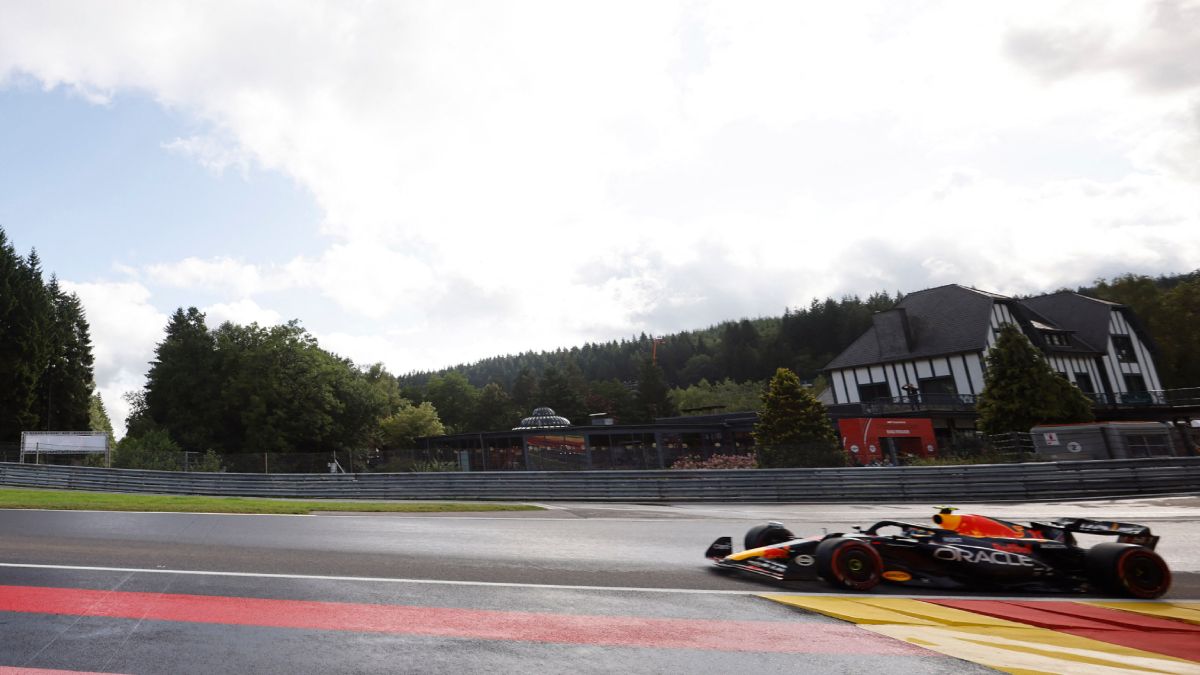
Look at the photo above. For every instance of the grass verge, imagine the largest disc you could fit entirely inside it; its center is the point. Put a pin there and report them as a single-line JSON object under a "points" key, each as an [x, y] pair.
{"points": [[68, 500]]}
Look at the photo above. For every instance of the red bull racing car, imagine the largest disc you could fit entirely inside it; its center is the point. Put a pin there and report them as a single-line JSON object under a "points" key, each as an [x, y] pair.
{"points": [[959, 552]]}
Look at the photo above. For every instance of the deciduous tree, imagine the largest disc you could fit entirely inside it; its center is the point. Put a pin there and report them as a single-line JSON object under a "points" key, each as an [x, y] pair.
{"points": [[410, 422], [454, 398]]}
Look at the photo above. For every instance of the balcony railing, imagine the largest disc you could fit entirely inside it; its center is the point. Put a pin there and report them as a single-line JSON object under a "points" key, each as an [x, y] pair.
{"points": [[903, 404], [1188, 396], [966, 402]]}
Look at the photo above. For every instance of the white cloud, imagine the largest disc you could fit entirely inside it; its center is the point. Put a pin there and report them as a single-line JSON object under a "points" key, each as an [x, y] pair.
{"points": [[220, 273], [124, 328], [517, 176], [212, 153], [242, 312]]}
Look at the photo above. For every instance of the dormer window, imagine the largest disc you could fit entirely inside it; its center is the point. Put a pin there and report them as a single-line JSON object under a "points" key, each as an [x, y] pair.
{"points": [[1055, 339], [1123, 346]]}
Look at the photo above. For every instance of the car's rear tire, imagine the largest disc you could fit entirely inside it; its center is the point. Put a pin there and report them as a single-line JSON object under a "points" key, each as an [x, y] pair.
{"points": [[1127, 569], [851, 564], [766, 535]]}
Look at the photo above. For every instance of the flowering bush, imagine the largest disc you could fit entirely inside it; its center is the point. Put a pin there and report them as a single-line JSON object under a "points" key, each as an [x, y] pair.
{"points": [[716, 462]]}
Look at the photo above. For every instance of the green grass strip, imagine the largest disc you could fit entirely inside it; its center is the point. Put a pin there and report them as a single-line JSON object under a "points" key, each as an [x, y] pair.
{"points": [[68, 500]]}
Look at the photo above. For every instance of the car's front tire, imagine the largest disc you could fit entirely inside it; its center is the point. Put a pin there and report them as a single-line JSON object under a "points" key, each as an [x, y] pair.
{"points": [[851, 564], [766, 535], [1127, 569]]}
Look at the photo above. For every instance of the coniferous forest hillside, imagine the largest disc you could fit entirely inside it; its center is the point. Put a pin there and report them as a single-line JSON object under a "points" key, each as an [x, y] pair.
{"points": [[45, 353]]}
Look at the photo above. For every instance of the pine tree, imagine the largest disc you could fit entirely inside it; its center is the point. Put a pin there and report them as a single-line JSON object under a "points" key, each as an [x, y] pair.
{"points": [[182, 387], [793, 428], [1021, 391], [653, 395], [556, 390], [98, 416], [65, 386], [524, 391], [25, 311]]}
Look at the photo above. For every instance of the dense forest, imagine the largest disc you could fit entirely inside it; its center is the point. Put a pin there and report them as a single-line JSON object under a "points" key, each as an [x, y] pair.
{"points": [[803, 340], [45, 353]]}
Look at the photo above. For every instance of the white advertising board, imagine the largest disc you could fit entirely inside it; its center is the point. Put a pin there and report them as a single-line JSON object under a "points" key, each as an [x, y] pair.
{"points": [[63, 442]]}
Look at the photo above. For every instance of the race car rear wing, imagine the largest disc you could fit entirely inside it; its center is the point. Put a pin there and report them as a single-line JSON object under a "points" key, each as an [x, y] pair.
{"points": [[1126, 533]]}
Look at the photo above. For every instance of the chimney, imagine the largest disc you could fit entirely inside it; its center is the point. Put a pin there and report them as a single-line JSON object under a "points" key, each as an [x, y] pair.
{"points": [[892, 332]]}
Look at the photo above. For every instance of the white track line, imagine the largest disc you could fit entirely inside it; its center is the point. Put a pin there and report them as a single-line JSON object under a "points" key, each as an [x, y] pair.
{"points": [[499, 584]]}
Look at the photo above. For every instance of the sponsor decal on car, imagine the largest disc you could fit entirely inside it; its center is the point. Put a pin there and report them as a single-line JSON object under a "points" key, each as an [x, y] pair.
{"points": [[982, 556], [772, 567], [1013, 548], [897, 575], [803, 560]]}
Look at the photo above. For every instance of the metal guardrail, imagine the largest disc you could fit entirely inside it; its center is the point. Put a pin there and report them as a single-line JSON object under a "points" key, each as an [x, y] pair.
{"points": [[992, 482]]}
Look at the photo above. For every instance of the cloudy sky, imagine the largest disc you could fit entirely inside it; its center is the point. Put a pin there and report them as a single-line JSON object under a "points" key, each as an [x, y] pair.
{"points": [[430, 183]]}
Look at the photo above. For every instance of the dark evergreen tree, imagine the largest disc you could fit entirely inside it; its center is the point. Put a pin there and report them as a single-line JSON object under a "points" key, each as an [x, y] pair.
{"points": [[524, 391], [739, 350], [182, 386], [653, 394], [1178, 335], [793, 428], [1021, 391], [495, 410], [556, 391], [65, 386], [615, 398], [25, 311]]}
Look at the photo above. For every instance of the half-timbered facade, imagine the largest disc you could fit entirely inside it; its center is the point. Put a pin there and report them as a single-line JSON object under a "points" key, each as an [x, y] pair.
{"points": [[933, 345]]}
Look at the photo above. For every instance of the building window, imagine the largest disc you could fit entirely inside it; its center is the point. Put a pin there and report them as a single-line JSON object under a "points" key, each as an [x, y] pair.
{"points": [[873, 392], [1147, 445], [938, 385], [1084, 382], [1135, 390], [1135, 383], [1056, 339], [1123, 346]]}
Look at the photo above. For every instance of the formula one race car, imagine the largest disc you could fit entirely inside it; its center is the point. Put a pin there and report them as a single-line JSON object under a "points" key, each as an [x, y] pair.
{"points": [[959, 552]]}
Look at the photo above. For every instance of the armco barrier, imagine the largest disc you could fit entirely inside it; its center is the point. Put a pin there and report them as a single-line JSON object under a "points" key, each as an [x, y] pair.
{"points": [[991, 482]]}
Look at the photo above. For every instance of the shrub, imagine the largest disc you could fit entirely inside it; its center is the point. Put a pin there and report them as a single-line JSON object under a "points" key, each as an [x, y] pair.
{"points": [[154, 449]]}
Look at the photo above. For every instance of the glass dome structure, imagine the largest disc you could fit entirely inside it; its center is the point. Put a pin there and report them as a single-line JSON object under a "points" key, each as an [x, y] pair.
{"points": [[543, 418]]}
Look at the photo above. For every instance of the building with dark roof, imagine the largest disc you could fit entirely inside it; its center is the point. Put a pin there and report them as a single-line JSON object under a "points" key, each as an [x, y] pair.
{"points": [[545, 441], [928, 352]]}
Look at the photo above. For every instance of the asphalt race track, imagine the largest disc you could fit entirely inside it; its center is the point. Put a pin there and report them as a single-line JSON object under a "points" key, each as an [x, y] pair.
{"points": [[577, 588]]}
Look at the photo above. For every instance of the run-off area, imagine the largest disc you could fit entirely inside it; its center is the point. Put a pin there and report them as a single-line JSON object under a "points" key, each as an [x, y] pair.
{"points": [[145, 622]]}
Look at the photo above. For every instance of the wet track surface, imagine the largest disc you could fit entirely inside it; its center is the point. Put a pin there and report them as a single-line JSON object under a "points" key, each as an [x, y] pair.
{"points": [[579, 588]]}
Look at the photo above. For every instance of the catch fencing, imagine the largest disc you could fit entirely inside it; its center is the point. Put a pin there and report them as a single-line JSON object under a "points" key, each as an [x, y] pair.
{"points": [[933, 484]]}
